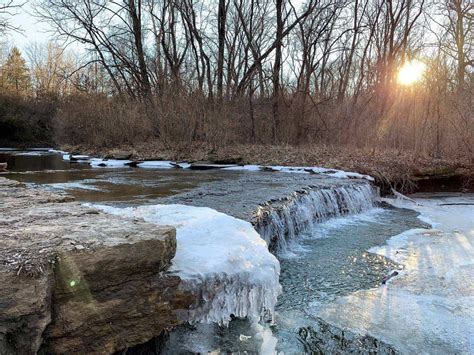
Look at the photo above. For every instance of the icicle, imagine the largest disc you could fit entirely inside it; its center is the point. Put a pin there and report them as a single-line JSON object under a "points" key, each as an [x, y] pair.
{"points": [[220, 259]]}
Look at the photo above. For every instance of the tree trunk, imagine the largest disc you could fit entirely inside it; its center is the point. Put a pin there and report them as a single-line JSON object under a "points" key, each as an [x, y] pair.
{"points": [[277, 70], [221, 27], [135, 15]]}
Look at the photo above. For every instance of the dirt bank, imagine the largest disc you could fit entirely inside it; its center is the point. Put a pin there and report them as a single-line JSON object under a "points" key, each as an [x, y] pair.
{"points": [[403, 171]]}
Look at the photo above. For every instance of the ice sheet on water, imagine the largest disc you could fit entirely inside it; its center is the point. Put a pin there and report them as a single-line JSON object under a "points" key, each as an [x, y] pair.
{"points": [[57, 151], [218, 256], [166, 164], [74, 185], [341, 174], [245, 168], [157, 164], [108, 163], [31, 153], [429, 308]]}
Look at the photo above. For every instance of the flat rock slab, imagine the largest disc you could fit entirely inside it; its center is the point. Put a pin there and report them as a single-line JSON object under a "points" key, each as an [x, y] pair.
{"points": [[240, 194], [76, 279]]}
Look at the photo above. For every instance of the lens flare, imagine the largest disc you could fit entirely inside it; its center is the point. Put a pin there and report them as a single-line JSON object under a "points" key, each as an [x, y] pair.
{"points": [[411, 72]]}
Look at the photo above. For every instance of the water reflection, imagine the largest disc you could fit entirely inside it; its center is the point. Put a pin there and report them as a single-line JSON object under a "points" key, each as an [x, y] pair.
{"points": [[120, 185], [36, 161]]}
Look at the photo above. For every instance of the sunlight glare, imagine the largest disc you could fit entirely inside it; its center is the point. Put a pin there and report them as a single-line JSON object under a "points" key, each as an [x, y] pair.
{"points": [[411, 72]]}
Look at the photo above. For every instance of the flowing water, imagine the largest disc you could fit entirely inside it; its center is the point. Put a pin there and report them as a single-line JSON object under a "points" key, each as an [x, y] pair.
{"points": [[322, 249], [326, 261]]}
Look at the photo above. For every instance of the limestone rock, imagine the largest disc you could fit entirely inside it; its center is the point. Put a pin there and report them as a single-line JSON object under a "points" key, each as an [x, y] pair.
{"points": [[73, 279]]}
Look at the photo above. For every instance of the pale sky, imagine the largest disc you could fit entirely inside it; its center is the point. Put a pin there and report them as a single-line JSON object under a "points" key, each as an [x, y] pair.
{"points": [[33, 31]]}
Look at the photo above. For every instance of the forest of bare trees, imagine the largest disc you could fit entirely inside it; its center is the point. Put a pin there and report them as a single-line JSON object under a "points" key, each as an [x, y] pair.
{"points": [[256, 72]]}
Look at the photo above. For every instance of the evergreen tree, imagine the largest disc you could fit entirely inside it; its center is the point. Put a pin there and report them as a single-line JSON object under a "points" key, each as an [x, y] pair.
{"points": [[15, 73]]}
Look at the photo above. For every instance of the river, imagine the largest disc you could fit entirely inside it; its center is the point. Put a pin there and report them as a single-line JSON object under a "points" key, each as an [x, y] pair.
{"points": [[322, 262]]}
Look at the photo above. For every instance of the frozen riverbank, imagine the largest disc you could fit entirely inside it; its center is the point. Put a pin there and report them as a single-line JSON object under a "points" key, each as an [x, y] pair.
{"points": [[75, 279], [429, 307], [219, 257]]}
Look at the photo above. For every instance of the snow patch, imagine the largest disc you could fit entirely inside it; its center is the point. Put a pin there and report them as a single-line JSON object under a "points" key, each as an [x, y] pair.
{"points": [[219, 257], [157, 164], [108, 163], [76, 185]]}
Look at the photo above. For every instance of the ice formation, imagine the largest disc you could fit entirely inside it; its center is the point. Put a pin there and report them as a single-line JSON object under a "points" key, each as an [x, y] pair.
{"points": [[79, 185], [220, 258], [281, 221], [109, 163], [166, 164], [341, 174], [429, 307], [157, 164]]}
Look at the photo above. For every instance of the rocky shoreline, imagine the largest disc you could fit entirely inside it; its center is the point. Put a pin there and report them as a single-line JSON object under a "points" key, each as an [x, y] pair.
{"points": [[74, 279], [406, 172]]}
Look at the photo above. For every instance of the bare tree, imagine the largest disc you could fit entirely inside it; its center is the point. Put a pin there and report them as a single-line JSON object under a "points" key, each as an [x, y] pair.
{"points": [[457, 38], [8, 9]]}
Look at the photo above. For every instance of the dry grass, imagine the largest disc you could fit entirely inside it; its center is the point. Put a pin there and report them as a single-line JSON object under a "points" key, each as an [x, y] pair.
{"points": [[393, 138], [391, 168]]}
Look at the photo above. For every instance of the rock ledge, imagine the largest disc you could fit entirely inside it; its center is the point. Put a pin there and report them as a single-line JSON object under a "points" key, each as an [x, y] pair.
{"points": [[73, 279]]}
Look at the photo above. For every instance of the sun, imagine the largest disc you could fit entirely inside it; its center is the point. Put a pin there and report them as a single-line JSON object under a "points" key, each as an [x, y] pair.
{"points": [[411, 72]]}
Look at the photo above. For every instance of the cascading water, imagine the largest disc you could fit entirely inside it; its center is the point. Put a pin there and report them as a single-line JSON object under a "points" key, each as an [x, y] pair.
{"points": [[329, 260], [227, 266], [280, 221]]}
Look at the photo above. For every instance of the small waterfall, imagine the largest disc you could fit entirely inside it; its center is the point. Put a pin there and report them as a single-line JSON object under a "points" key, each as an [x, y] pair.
{"points": [[280, 221]]}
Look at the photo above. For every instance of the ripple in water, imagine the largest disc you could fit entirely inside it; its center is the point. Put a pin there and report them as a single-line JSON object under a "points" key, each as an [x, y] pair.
{"points": [[328, 261]]}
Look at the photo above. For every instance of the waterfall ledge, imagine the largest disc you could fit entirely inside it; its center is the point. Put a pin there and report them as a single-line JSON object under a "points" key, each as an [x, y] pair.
{"points": [[279, 221]]}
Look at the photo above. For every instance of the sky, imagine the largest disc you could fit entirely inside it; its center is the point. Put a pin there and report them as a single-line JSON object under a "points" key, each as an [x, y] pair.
{"points": [[33, 30]]}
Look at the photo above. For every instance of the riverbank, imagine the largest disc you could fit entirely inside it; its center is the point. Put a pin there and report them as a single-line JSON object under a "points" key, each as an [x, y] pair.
{"points": [[403, 171], [75, 279], [69, 273]]}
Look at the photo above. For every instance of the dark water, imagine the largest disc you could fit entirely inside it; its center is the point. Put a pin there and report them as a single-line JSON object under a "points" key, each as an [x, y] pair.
{"points": [[327, 261], [113, 185], [36, 161]]}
